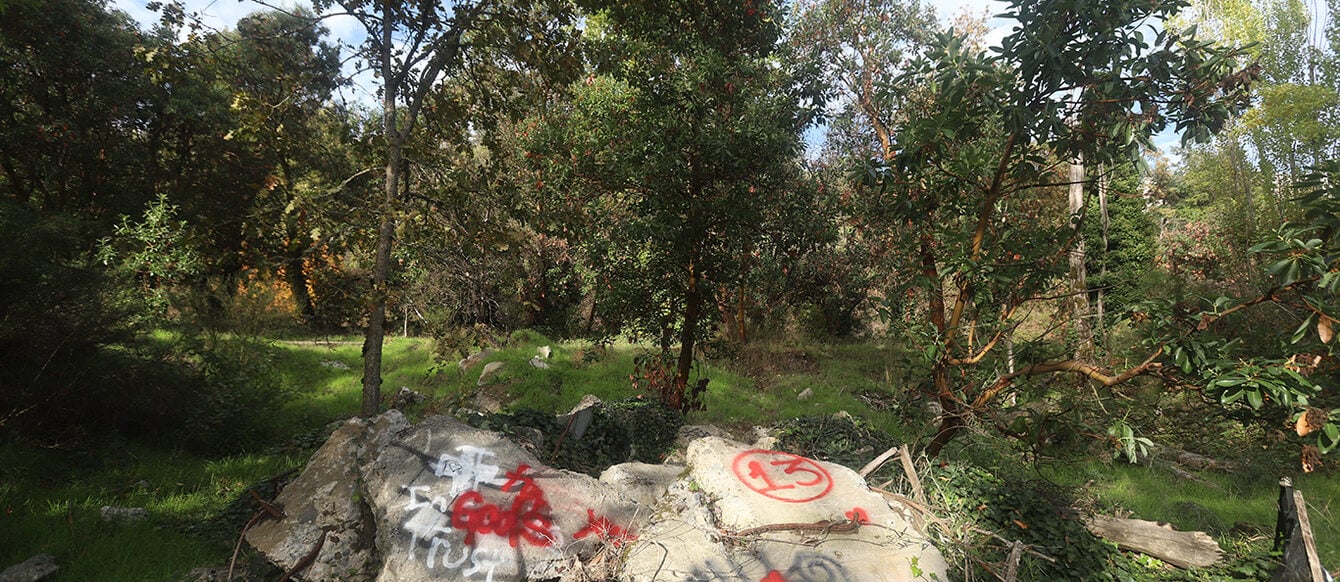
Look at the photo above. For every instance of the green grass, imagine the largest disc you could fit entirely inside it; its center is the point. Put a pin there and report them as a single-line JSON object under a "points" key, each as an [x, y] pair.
{"points": [[50, 497]]}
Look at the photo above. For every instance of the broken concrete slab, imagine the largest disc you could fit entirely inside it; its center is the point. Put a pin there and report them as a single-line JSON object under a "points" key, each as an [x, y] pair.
{"points": [[456, 502], [325, 506], [442, 500], [754, 514]]}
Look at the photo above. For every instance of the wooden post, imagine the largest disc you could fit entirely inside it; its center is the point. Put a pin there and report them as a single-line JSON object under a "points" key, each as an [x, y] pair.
{"points": [[1301, 563]]}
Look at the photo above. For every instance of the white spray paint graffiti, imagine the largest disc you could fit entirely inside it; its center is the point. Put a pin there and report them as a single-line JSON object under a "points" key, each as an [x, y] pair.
{"points": [[467, 469], [493, 554]]}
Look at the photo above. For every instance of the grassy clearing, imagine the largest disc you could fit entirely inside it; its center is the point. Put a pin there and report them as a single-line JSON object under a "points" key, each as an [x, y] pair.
{"points": [[51, 496]]}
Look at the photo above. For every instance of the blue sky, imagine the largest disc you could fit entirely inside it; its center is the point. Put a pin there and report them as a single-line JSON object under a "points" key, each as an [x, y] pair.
{"points": [[220, 14]]}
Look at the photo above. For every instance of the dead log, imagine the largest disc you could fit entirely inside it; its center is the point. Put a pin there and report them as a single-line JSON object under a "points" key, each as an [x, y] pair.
{"points": [[1184, 549]]}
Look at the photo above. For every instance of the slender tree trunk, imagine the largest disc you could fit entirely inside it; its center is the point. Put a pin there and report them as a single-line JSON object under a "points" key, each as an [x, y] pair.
{"points": [[1080, 288], [297, 282], [1104, 182], [692, 308], [381, 271]]}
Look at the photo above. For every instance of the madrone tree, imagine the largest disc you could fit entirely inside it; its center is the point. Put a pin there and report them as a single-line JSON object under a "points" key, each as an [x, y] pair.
{"points": [[979, 150]]}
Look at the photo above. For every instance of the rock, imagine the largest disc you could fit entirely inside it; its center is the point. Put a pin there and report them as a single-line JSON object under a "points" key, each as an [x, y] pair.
{"points": [[143, 485], [473, 359], [405, 397], [328, 497], [39, 567], [577, 420], [334, 364], [454, 502], [112, 513], [485, 403], [538, 363], [443, 500], [644, 483], [692, 432], [805, 394], [764, 515], [490, 370], [544, 352]]}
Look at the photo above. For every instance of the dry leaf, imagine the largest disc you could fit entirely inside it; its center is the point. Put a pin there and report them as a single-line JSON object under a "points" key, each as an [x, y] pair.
{"points": [[1310, 420], [1311, 458]]}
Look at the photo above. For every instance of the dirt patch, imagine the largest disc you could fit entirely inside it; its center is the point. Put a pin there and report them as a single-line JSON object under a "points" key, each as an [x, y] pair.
{"points": [[765, 365]]}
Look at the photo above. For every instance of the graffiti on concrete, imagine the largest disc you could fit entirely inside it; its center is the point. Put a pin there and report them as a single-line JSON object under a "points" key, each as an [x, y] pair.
{"points": [[467, 469], [477, 524], [527, 518], [804, 567], [782, 476]]}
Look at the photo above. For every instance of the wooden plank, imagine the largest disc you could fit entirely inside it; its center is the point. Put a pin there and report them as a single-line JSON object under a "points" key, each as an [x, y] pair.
{"points": [[1184, 549], [1301, 563]]}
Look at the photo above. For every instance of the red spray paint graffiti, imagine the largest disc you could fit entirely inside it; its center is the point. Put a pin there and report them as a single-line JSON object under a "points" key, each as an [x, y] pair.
{"points": [[528, 518], [604, 529], [858, 515], [782, 476]]}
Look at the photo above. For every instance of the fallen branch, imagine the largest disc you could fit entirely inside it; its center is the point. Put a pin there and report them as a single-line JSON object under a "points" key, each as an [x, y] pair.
{"points": [[1184, 549], [269, 509], [840, 526], [232, 563]]}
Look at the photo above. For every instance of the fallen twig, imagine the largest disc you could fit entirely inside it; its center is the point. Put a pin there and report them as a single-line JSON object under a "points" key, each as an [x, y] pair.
{"points": [[232, 564], [826, 526], [274, 511]]}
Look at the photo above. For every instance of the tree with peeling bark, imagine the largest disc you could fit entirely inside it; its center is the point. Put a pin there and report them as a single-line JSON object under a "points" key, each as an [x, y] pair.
{"points": [[976, 172], [411, 46]]}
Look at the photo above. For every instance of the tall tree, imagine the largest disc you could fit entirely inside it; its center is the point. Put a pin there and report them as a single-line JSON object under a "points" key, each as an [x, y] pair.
{"points": [[675, 149], [283, 73], [411, 46]]}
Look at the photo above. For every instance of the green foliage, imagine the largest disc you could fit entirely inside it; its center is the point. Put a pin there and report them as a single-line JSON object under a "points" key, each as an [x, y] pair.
{"points": [[652, 426], [156, 253], [1133, 448], [670, 159], [839, 438], [1033, 512], [620, 431]]}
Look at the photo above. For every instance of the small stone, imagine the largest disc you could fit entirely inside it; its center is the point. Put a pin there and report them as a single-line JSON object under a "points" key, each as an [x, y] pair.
{"points": [[112, 513], [805, 394], [334, 364], [538, 363], [405, 397], [490, 370], [544, 352], [39, 567], [475, 358]]}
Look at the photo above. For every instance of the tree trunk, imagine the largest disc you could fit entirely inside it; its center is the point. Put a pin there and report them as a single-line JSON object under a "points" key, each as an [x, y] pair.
{"points": [[692, 307], [297, 284], [1080, 288], [951, 409], [1104, 182], [381, 271]]}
